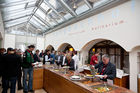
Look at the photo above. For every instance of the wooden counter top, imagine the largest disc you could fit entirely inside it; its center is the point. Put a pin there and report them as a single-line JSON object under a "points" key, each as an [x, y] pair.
{"points": [[56, 82], [85, 88]]}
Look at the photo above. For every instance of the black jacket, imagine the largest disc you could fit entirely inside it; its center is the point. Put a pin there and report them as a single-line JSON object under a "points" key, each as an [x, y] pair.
{"points": [[60, 61], [36, 59], [1, 63], [110, 70], [11, 65], [71, 64]]}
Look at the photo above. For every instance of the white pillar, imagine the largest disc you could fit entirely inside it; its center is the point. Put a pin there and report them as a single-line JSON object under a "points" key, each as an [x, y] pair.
{"points": [[133, 57], [2, 33]]}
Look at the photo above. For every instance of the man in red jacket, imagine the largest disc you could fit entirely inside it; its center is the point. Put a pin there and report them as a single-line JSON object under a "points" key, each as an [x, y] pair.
{"points": [[94, 59]]}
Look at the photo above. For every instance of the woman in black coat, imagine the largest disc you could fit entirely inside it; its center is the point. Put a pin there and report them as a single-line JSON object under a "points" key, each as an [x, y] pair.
{"points": [[70, 62]]}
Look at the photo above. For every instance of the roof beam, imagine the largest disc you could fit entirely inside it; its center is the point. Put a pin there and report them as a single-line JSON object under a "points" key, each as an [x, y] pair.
{"points": [[16, 18], [11, 16], [4, 5], [88, 4], [35, 25], [15, 24], [45, 22], [39, 22], [36, 8], [44, 11], [16, 10], [47, 3], [67, 7]]}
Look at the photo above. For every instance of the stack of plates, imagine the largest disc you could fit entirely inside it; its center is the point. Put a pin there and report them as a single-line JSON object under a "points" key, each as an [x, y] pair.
{"points": [[100, 76], [75, 78], [66, 67]]}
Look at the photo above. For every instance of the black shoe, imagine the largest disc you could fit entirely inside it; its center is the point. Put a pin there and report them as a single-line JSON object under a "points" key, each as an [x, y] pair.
{"points": [[25, 91], [32, 91], [20, 88]]}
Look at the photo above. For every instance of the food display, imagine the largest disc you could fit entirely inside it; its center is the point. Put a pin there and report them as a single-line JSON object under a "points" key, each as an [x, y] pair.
{"points": [[89, 75], [87, 82], [56, 70], [65, 67], [103, 89]]}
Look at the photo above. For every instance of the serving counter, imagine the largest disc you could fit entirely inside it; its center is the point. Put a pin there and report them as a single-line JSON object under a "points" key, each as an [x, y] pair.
{"points": [[56, 82]]}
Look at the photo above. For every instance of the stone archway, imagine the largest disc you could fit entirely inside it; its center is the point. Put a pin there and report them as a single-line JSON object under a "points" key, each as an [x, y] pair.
{"points": [[50, 47], [64, 47]]}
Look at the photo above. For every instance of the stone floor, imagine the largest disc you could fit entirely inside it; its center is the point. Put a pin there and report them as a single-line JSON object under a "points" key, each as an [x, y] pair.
{"points": [[21, 91]]}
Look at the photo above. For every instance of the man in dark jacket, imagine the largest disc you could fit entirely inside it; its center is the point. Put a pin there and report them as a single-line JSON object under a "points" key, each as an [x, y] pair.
{"points": [[10, 70], [27, 65], [1, 61], [36, 56], [106, 68]]}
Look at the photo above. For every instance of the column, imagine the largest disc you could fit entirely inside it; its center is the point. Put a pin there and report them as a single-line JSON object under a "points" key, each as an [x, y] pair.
{"points": [[133, 58]]}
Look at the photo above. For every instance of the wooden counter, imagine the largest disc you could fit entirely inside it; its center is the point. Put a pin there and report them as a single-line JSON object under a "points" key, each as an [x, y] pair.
{"points": [[122, 82], [38, 74], [55, 82], [138, 85]]}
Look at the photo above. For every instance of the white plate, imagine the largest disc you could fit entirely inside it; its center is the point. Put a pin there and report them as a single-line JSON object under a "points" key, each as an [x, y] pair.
{"points": [[100, 76], [75, 77]]}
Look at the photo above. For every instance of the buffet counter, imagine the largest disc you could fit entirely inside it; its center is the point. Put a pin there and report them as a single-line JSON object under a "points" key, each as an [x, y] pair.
{"points": [[54, 81]]}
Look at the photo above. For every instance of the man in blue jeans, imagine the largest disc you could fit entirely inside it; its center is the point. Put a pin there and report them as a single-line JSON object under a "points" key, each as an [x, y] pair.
{"points": [[11, 64], [27, 65]]}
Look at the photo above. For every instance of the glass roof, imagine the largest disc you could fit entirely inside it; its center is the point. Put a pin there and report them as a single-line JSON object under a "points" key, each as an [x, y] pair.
{"points": [[44, 14]]}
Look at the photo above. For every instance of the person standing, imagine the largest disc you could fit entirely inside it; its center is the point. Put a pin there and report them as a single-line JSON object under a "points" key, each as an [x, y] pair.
{"points": [[36, 56], [47, 57], [11, 64], [1, 65], [106, 68], [53, 56], [70, 62], [76, 60], [58, 58], [19, 52], [28, 69], [63, 58], [94, 59], [41, 54]]}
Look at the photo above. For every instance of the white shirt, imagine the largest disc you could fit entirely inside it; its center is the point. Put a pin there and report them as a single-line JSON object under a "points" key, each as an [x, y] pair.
{"points": [[64, 60], [76, 60], [46, 58], [58, 59]]}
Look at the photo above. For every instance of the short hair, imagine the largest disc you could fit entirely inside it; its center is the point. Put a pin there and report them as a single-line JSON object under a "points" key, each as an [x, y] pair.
{"points": [[75, 52], [10, 49], [37, 50], [18, 51], [47, 50], [105, 56], [31, 46]]}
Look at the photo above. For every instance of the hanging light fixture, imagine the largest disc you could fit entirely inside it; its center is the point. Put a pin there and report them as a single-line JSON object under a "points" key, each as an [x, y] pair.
{"points": [[75, 6], [93, 50], [70, 49]]}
